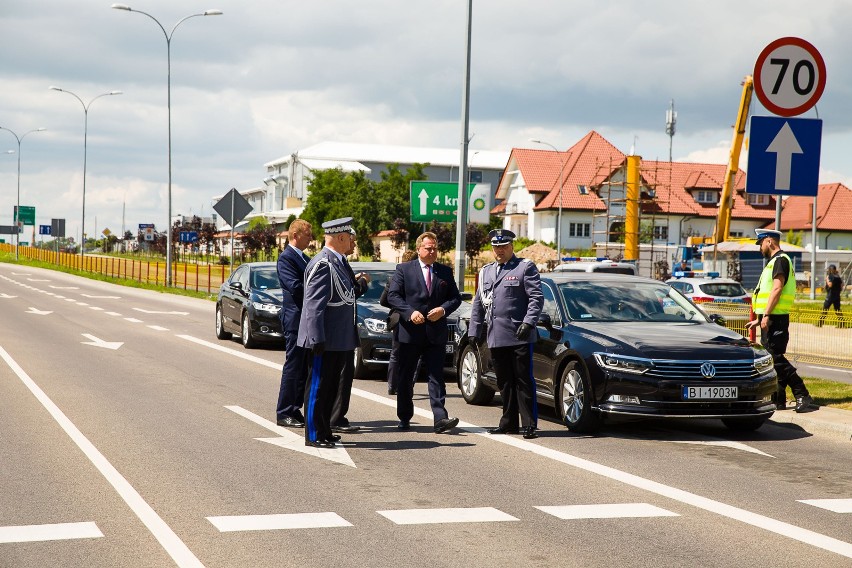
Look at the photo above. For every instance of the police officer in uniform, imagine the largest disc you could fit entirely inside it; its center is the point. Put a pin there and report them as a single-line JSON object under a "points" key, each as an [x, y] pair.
{"points": [[327, 327], [771, 301], [508, 303]]}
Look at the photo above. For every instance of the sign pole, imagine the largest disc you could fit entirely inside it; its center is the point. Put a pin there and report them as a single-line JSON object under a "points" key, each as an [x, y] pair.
{"points": [[461, 220]]}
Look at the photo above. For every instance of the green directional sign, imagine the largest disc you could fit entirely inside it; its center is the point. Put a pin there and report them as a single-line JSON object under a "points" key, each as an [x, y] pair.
{"points": [[26, 216], [438, 201]]}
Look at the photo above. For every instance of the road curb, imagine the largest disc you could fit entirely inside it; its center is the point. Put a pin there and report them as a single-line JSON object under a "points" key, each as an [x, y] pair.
{"points": [[823, 421]]}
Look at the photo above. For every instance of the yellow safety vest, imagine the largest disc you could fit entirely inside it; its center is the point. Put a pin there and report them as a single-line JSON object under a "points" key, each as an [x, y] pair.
{"points": [[761, 294]]}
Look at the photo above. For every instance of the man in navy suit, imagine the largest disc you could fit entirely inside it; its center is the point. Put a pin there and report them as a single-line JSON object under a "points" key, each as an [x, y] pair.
{"points": [[424, 293], [327, 327], [291, 273]]}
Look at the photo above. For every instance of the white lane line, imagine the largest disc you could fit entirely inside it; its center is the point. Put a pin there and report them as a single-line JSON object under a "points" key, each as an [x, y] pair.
{"points": [[112, 313], [278, 522], [833, 505], [82, 304], [441, 516], [606, 511], [240, 354], [172, 544], [41, 533], [96, 308], [133, 320], [158, 328], [729, 511]]}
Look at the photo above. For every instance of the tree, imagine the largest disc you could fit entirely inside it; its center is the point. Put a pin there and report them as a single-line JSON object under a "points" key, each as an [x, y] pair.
{"points": [[475, 240], [259, 237], [446, 235]]}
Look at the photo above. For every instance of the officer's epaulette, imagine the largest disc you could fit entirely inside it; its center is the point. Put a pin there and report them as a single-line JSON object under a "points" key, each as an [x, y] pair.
{"points": [[522, 259]]}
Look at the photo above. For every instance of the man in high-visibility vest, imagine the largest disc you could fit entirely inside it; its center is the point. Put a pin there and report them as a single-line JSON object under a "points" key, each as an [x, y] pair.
{"points": [[771, 301]]}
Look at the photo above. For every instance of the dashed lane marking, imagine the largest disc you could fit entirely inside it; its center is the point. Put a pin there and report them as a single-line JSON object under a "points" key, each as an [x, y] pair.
{"points": [[133, 320], [278, 522], [606, 511], [833, 505], [441, 516], [41, 533], [158, 328]]}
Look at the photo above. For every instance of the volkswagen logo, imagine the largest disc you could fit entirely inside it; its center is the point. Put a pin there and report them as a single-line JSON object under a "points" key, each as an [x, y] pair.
{"points": [[708, 371]]}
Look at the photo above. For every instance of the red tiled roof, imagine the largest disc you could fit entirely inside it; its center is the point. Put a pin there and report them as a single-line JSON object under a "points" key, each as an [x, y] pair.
{"points": [[834, 210]]}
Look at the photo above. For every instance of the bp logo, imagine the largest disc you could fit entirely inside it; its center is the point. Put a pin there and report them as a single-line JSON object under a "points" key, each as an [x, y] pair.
{"points": [[479, 204]]}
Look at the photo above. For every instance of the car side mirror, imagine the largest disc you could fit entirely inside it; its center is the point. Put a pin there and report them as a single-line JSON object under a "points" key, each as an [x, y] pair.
{"points": [[717, 319], [237, 286], [466, 296], [545, 321]]}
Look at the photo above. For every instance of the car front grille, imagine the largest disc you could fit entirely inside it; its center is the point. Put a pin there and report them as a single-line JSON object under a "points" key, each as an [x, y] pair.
{"points": [[692, 370]]}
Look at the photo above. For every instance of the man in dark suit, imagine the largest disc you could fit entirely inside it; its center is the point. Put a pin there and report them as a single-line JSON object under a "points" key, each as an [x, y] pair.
{"points": [[291, 274], [424, 293], [327, 327]]}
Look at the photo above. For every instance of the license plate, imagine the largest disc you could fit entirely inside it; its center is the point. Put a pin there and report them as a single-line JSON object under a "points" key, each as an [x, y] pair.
{"points": [[450, 347], [709, 393]]}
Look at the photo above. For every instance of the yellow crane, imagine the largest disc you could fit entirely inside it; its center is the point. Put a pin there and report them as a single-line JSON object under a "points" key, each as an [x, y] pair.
{"points": [[726, 201]]}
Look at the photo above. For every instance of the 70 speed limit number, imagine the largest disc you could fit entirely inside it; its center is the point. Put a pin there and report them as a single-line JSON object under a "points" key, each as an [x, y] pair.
{"points": [[789, 76]]}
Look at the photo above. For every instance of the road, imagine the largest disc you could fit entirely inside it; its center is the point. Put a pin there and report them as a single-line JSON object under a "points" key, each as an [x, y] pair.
{"points": [[130, 436]]}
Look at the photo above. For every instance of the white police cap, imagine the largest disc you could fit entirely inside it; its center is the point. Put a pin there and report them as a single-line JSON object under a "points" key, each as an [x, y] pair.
{"points": [[764, 233], [335, 226]]}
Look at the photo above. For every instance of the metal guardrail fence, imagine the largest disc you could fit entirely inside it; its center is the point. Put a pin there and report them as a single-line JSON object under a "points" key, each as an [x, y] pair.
{"points": [[815, 337]]}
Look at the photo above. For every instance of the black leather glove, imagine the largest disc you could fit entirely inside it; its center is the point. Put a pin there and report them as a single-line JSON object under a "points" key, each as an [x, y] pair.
{"points": [[319, 348], [524, 331]]}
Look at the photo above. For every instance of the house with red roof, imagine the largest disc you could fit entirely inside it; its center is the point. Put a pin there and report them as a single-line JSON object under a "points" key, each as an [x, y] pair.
{"points": [[833, 217], [585, 187]]}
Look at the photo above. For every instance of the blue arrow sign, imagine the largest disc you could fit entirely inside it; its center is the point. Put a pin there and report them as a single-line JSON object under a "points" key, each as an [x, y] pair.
{"points": [[44, 229], [783, 156]]}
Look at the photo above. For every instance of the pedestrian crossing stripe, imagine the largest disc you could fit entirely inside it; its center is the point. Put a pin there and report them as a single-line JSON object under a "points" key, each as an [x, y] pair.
{"points": [[833, 505], [440, 516], [278, 522], [606, 511]]}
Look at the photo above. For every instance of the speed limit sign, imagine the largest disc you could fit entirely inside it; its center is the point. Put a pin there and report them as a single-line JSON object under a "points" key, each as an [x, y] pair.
{"points": [[789, 76]]}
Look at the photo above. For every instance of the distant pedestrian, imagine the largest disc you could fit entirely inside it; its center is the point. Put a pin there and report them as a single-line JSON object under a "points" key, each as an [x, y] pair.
{"points": [[772, 299], [833, 287], [508, 303]]}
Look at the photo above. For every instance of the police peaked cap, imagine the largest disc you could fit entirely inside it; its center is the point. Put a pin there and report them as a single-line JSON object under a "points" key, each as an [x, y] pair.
{"points": [[501, 237], [335, 226], [767, 233]]}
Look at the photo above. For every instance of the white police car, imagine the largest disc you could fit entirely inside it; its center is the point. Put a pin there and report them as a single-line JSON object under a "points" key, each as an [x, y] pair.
{"points": [[595, 264], [701, 287]]}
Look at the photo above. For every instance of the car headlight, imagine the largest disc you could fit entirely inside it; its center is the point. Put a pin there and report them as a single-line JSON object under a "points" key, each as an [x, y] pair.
{"points": [[376, 325], [764, 364], [622, 363], [271, 308]]}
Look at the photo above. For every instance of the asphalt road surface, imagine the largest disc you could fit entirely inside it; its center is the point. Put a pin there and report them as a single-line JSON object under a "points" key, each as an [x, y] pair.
{"points": [[131, 436]]}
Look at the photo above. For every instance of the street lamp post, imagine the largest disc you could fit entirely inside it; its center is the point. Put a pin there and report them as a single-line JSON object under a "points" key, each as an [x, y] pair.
{"points": [[561, 183], [168, 36], [18, 207], [85, 144]]}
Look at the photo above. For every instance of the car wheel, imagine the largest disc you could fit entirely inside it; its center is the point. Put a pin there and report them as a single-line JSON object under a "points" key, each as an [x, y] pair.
{"points": [[470, 378], [360, 370], [220, 325], [745, 424], [574, 400], [248, 341]]}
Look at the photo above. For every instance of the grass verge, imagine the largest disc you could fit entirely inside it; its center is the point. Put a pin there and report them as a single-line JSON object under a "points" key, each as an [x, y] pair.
{"points": [[830, 393]]}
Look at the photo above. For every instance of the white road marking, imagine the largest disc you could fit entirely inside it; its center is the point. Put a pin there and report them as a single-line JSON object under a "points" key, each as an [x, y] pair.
{"points": [[167, 538], [82, 304], [133, 320], [6, 296], [833, 505], [606, 511], [240, 354], [41, 533], [33, 310], [292, 441], [65, 287], [279, 522], [38, 280], [158, 328], [440, 516], [96, 308], [729, 511], [97, 342], [112, 313], [144, 311], [101, 297]]}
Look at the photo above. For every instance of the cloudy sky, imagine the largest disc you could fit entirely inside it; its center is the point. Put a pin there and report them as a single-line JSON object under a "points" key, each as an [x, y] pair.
{"points": [[271, 76]]}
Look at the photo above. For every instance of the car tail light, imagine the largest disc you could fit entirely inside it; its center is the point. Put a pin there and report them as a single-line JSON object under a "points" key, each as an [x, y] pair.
{"points": [[701, 299], [747, 300]]}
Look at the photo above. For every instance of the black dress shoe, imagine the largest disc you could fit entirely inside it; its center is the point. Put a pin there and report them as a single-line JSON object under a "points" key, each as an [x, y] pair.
{"points": [[391, 390], [345, 429], [445, 424], [500, 430], [319, 444], [291, 422], [529, 433], [404, 426], [803, 404], [333, 438]]}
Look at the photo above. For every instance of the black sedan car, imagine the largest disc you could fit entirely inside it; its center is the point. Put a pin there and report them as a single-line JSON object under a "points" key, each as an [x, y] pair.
{"points": [[249, 304], [615, 345]]}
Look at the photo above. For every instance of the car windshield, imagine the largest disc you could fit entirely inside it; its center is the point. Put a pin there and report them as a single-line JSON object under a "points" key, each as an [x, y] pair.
{"points": [[626, 301], [265, 278], [723, 289], [378, 278]]}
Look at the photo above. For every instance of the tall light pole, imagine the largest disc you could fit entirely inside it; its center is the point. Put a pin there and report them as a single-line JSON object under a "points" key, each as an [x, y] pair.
{"points": [[18, 207], [561, 183], [168, 36], [85, 144]]}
